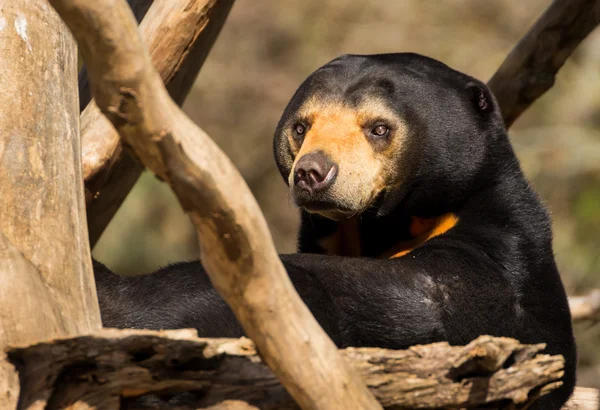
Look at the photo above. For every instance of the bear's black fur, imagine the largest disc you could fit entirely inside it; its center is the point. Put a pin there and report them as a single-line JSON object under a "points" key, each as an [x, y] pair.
{"points": [[443, 149]]}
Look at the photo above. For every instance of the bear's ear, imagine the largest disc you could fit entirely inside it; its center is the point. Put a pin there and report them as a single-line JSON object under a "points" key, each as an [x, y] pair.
{"points": [[480, 97]]}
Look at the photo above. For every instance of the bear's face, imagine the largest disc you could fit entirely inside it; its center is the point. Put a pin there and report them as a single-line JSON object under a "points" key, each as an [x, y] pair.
{"points": [[359, 131], [344, 155]]}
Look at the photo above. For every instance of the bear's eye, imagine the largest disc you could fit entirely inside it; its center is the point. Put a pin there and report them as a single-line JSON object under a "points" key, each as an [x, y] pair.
{"points": [[299, 129], [380, 131], [482, 102], [480, 99]]}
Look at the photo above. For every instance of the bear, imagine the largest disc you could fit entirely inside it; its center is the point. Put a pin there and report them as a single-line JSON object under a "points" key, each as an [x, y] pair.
{"points": [[417, 222]]}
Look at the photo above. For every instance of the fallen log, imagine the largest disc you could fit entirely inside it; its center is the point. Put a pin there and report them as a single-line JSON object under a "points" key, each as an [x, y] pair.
{"points": [[119, 366]]}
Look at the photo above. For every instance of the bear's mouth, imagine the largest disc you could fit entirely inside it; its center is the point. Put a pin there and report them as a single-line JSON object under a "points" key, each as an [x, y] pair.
{"points": [[336, 208], [325, 207], [316, 206]]}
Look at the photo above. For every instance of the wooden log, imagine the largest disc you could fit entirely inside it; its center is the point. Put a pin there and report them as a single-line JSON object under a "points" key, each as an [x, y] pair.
{"points": [[121, 365], [236, 247], [46, 281], [531, 67], [179, 35]]}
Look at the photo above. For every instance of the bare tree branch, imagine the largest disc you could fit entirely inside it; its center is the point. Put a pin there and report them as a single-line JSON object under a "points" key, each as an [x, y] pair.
{"points": [[530, 68], [120, 365], [179, 35], [584, 398], [236, 247], [585, 308], [139, 9]]}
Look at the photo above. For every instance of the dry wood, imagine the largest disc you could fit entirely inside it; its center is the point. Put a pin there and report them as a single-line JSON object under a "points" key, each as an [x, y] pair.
{"points": [[586, 307], [584, 398], [139, 9], [116, 366], [236, 247], [531, 67], [179, 35], [46, 281], [33, 307]]}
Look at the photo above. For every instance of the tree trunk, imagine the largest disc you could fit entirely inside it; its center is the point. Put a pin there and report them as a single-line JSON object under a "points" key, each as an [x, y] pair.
{"points": [[46, 282]]}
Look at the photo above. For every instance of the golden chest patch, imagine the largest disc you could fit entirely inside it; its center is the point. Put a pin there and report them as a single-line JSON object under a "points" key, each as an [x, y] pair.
{"points": [[345, 241], [422, 230]]}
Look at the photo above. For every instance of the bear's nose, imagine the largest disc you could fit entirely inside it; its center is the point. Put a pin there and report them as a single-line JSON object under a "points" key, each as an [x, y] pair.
{"points": [[314, 172]]}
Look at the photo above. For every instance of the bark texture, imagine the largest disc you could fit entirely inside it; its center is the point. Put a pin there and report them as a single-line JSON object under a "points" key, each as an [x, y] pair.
{"points": [[139, 9], [46, 282], [117, 366], [531, 67], [236, 247], [179, 35]]}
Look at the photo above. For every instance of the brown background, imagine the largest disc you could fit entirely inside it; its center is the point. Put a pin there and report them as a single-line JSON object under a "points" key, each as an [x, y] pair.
{"points": [[269, 46]]}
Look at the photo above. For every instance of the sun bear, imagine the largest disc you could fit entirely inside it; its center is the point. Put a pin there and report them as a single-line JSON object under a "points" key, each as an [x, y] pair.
{"points": [[417, 226]]}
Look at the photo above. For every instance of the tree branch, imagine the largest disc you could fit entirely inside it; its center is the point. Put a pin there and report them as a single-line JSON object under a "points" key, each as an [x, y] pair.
{"points": [[236, 247], [179, 35], [530, 68], [120, 365], [585, 308], [139, 9], [584, 398]]}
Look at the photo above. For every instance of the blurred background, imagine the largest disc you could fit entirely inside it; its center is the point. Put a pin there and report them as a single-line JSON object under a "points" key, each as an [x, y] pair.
{"points": [[268, 47]]}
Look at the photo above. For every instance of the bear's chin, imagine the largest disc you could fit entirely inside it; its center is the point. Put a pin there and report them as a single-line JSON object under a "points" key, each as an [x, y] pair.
{"points": [[327, 210], [335, 215]]}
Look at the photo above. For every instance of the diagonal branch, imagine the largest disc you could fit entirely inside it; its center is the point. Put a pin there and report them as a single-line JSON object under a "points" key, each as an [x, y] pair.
{"points": [[530, 68], [236, 247], [179, 35], [139, 9]]}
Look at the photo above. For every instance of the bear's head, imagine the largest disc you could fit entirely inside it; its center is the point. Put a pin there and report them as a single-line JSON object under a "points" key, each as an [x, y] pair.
{"points": [[381, 131]]}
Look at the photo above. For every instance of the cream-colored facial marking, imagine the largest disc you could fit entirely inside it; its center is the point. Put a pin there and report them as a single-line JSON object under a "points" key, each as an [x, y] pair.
{"points": [[365, 167]]}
